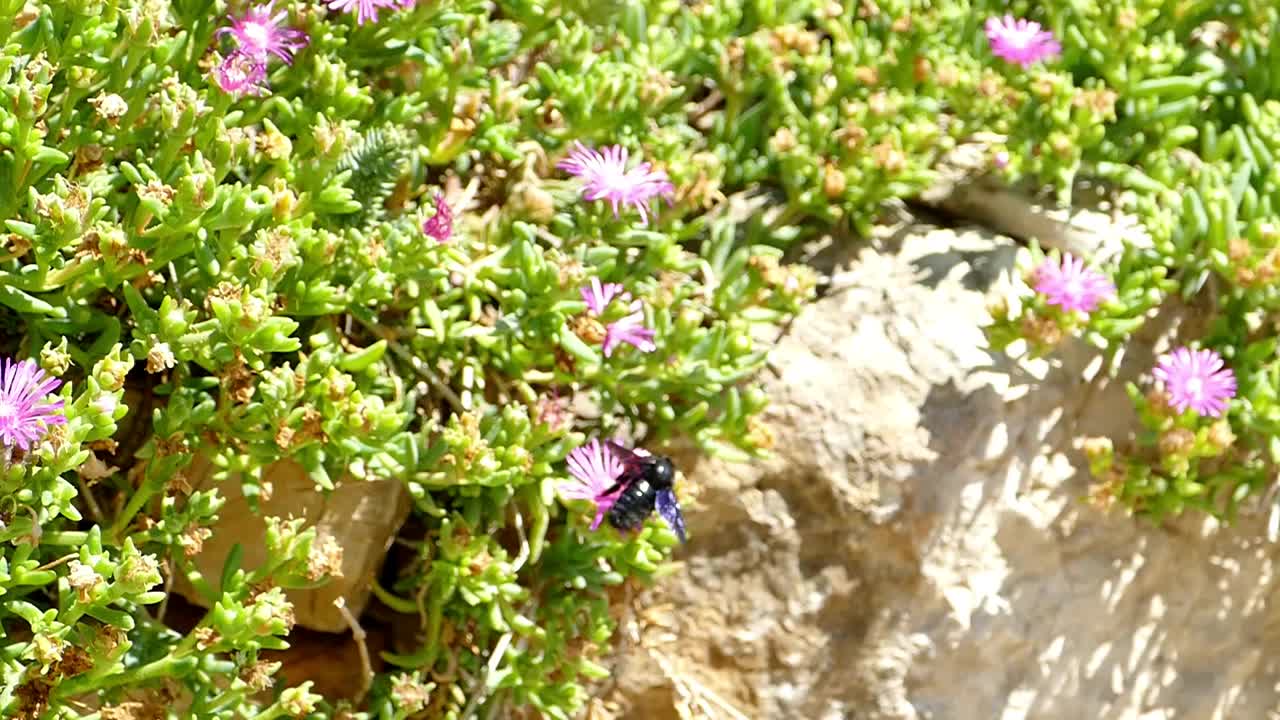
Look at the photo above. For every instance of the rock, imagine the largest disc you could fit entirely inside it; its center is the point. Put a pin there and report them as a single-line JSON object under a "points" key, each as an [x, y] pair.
{"points": [[361, 516], [1092, 228], [917, 546]]}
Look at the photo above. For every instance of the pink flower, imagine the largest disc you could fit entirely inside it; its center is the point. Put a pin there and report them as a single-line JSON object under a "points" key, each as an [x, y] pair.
{"points": [[24, 419], [631, 330], [1020, 41], [596, 469], [439, 225], [597, 296], [606, 176], [1196, 379], [259, 34], [241, 74], [1001, 160], [363, 9], [1072, 286]]}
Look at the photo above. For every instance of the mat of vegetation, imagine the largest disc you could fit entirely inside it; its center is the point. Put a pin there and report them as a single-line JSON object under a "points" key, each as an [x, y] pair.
{"points": [[461, 244]]}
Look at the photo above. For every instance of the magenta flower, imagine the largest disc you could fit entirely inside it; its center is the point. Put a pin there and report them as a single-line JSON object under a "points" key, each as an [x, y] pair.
{"points": [[1196, 379], [631, 330], [597, 296], [1072, 286], [259, 34], [1020, 41], [365, 10], [596, 469], [23, 417], [606, 176], [241, 74], [439, 225]]}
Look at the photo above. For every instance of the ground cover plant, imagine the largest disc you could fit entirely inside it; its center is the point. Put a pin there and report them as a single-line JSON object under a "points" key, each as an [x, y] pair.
{"points": [[460, 243]]}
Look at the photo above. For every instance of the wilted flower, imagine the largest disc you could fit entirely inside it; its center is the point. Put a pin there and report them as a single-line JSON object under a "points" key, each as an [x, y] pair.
{"points": [[241, 74], [1072, 286], [24, 418], [607, 177], [596, 469], [598, 296], [259, 34], [1196, 379], [629, 329], [1020, 41], [439, 225], [363, 9]]}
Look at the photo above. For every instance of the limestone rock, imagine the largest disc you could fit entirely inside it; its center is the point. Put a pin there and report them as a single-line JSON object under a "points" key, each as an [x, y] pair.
{"points": [[361, 516], [918, 546]]}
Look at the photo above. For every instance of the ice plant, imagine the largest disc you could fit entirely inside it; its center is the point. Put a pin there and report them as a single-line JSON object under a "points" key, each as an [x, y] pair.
{"points": [[25, 415], [1196, 379], [597, 296], [606, 177], [259, 34], [241, 74], [629, 329], [439, 225], [595, 469], [365, 10], [1020, 41], [1072, 286]]}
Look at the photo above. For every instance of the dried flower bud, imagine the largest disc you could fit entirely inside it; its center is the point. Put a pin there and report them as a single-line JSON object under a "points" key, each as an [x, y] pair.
{"points": [[409, 694], [259, 675], [160, 358], [591, 330], [1238, 249], [84, 580], [110, 107], [192, 540], [1220, 436], [156, 190], [833, 181], [325, 558], [783, 140], [1177, 442]]}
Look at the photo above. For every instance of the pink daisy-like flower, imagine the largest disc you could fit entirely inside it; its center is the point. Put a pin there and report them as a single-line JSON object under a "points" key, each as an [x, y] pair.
{"points": [[1196, 379], [598, 296], [24, 417], [241, 74], [365, 10], [1072, 286], [596, 469], [259, 34], [439, 225], [606, 176], [1020, 41], [629, 329]]}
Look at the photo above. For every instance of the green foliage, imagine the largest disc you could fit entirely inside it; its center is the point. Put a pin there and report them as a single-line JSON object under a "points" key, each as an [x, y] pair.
{"points": [[1188, 145], [246, 279]]}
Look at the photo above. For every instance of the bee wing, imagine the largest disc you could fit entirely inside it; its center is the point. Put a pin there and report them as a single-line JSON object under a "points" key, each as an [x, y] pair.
{"points": [[669, 509], [630, 460]]}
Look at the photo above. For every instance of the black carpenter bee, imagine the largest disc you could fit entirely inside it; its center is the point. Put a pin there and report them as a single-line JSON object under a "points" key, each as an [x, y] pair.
{"points": [[646, 482]]}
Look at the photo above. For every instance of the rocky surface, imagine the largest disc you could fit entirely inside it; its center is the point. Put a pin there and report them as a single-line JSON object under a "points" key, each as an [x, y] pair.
{"points": [[918, 546]]}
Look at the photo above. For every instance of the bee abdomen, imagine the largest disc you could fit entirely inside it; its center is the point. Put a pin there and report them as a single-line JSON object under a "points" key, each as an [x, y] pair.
{"points": [[632, 507]]}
